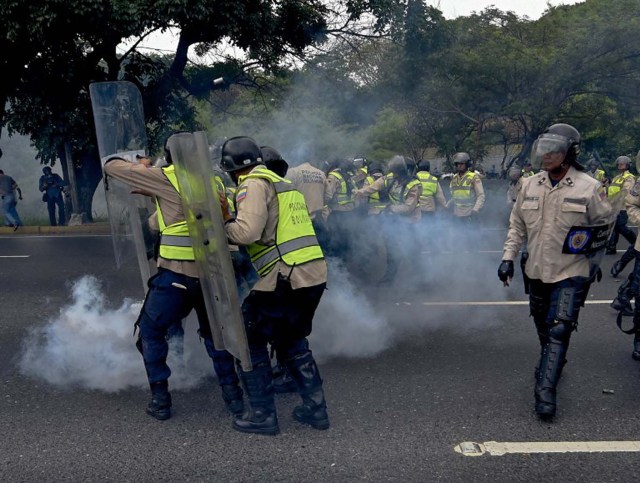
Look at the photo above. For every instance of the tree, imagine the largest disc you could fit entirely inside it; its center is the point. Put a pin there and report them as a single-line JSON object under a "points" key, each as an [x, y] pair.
{"points": [[64, 46]]}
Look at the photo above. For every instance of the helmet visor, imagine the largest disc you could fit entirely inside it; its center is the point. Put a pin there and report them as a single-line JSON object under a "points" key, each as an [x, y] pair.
{"points": [[546, 145]]}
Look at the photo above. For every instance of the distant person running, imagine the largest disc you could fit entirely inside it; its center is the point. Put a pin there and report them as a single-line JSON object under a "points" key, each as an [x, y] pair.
{"points": [[8, 187]]}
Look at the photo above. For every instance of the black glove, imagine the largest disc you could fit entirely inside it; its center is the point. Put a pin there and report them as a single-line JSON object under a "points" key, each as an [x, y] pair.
{"points": [[505, 271]]}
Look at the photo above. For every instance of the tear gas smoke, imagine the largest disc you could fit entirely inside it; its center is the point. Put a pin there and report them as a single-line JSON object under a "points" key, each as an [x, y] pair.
{"points": [[91, 346], [346, 323]]}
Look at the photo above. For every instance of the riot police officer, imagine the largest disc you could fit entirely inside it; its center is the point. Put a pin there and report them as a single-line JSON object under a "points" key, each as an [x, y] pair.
{"points": [[559, 279], [631, 288], [622, 182], [467, 193], [431, 189], [174, 291], [273, 222]]}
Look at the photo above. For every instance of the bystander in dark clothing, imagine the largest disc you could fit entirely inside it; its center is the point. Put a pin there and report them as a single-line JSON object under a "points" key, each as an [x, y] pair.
{"points": [[52, 185]]}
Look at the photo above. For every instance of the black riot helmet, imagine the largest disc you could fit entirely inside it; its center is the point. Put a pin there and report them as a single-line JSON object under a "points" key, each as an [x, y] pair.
{"points": [[424, 165], [398, 166], [273, 161], [558, 138], [462, 158], [376, 168], [238, 153], [167, 152]]}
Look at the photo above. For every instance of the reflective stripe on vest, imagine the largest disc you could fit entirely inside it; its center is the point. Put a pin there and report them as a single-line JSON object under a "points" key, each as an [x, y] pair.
{"points": [[342, 197], [617, 183], [296, 241], [429, 184], [175, 243], [461, 189]]}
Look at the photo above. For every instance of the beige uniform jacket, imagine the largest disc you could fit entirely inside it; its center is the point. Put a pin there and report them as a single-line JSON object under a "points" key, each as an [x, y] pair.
{"points": [[153, 180], [256, 220], [409, 209], [476, 187], [309, 181], [544, 214], [632, 204]]}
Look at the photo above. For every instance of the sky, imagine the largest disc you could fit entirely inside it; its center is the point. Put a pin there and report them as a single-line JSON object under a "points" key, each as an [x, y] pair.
{"points": [[450, 8], [531, 8]]}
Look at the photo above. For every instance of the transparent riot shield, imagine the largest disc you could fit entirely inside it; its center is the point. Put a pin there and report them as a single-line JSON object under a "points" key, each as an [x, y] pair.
{"points": [[120, 130], [190, 154]]}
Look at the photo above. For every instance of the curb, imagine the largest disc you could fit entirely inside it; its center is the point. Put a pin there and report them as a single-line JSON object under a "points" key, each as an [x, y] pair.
{"points": [[87, 229]]}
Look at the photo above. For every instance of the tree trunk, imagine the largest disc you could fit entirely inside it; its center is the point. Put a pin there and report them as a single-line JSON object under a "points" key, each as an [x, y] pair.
{"points": [[88, 177]]}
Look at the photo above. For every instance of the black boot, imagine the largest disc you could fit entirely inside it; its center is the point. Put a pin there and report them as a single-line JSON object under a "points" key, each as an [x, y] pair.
{"points": [[232, 396], [282, 381], [313, 410], [620, 265], [622, 304], [551, 363], [160, 405], [261, 417], [636, 347]]}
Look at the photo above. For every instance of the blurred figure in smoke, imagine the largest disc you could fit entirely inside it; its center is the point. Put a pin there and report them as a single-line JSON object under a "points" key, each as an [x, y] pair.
{"points": [[631, 288], [596, 173], [273, 223], [377, 201], [565, 198], [622, 182], [360, 171], [339, 208], [174, 291], [404, 191], [527, 170]]}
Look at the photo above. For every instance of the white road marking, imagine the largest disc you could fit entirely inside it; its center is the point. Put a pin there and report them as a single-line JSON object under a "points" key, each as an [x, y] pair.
{"points": [[497, 448], [15, 256], [498, 302]]}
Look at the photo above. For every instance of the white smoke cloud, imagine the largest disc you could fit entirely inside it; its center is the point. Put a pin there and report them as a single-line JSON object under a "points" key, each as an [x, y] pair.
{"points": [[91, 346], [347, 323]]}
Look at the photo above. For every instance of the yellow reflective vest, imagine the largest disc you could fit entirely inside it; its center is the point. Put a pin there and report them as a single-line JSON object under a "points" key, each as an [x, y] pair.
{"points": [[295, 241], [617, 183], [175, 243], [429, 184], [343, 196], [461, 190]]}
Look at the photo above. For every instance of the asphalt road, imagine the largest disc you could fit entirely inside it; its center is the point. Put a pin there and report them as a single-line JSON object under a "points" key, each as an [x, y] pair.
{"points": [[449, 374]]}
